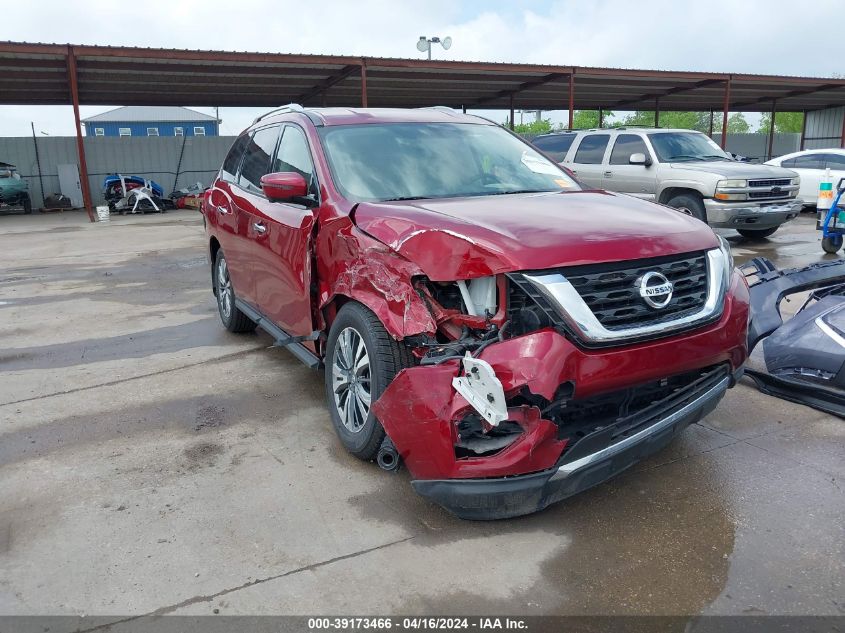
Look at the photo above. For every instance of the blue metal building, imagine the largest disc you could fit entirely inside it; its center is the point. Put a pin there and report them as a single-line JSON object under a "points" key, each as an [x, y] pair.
{"points": [[151, 121]]}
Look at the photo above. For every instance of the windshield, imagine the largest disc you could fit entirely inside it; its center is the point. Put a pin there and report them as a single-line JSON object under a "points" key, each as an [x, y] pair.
{"points": [[672, 147], [407, 161]]}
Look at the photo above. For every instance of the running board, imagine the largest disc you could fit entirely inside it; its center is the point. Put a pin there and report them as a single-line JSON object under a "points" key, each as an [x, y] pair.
{"points": [[283, 339]]}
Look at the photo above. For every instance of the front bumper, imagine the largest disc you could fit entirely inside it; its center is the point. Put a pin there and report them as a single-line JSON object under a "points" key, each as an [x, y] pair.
{"points": [[506, 497], [744, 215]]}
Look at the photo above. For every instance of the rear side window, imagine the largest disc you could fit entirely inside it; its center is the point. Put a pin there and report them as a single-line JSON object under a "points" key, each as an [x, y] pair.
{"points": [[555, 146], [808, 161], [233, 158], [625, 145], [256, 161], [591, 149]]}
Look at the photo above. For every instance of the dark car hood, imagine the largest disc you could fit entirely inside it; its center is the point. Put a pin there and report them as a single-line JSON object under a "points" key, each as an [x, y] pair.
{"points": [[462, 238]]}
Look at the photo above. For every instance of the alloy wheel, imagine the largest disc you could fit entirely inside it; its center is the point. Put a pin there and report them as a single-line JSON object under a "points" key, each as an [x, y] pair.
{"points": [[351, 379], [225, 295]]}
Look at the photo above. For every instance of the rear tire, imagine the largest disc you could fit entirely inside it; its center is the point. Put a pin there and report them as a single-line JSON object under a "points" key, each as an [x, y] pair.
{"points": [[361, 361], [831, 244], [233, 319], [691, 204], [757, 234]]}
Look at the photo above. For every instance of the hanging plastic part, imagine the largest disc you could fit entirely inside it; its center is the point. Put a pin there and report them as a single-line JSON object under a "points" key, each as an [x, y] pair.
{"points": [[480, 387]]}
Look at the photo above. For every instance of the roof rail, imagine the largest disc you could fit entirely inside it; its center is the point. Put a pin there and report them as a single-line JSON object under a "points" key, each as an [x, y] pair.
{"points": [[291, 107]]}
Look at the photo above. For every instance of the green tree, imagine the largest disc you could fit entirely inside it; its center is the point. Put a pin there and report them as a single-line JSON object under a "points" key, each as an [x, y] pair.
{"points": [[533, 128], [586, 119], [784, 122], [683, 120], [737, 124]]}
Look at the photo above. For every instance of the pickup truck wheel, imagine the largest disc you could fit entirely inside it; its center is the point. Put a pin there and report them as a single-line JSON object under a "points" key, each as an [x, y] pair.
{"points": [[757, 234], [233, 319], [27, 206], [361, 360], [690, 204], [831, 244]]}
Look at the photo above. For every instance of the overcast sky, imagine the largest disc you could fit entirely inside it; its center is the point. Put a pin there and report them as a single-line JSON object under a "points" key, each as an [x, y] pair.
{"points": [[745, 36]]}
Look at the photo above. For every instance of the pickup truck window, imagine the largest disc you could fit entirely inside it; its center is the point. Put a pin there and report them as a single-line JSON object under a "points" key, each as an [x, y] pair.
{"points": [[625, 145], [676, 147], [257, 158], [555, 146], [406, 161], [591, 149]]}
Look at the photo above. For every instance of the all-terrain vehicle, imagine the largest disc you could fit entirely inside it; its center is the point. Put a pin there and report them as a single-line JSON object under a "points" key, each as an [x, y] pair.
{"points": [[14, 190]]}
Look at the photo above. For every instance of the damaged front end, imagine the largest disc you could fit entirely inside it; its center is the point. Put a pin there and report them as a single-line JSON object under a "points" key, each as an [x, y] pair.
{"points": [[801, 359], [520, 420], [510, 406]]}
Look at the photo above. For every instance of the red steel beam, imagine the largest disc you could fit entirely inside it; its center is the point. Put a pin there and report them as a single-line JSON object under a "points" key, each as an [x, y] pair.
{"points": [[80, 145], [363, 64], [772, 130], [842, 139], [803, 129], [725, 108], [512, 121]]}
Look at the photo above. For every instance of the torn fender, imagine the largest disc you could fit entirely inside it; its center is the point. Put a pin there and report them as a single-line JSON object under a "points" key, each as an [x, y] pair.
{"points": [[353, 264]]}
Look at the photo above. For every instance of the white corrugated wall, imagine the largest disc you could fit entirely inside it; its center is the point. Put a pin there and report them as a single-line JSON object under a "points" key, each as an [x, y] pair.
{"points": [[824, 128]]}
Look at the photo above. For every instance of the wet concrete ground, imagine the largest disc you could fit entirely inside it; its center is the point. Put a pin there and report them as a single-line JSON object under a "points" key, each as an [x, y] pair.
{"points": [[151, 462]]}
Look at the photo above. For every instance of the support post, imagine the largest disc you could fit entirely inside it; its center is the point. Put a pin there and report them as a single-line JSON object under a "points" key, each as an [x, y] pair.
{"points": [[656, 112], [772, 131], [710, 132], [601, 117], [842, 139], [725, 108], [80, 145], [803, 129], [363, 83], [571, 99], [512, 121]]}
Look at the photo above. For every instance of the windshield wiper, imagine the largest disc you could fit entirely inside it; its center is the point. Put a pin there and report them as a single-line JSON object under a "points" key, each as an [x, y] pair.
{"points": [[510, 191], [717, 157], [684, 157], [405, 198]]}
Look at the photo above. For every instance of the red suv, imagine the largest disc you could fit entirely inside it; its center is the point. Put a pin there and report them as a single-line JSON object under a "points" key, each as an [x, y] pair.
{"points": [[511, 336]]}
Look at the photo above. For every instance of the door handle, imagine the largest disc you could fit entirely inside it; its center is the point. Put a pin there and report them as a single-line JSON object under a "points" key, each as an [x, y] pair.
{"points": [[222, 209], [259, 228], [608, 174]]}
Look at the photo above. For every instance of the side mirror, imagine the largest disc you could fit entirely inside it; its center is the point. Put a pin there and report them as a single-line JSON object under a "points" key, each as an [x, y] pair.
{"points": [[639, 159], [283, 186]]}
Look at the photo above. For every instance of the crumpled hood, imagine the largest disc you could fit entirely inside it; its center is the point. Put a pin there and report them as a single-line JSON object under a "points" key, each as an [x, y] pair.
{"points": [[731, 169], [462, 238]]}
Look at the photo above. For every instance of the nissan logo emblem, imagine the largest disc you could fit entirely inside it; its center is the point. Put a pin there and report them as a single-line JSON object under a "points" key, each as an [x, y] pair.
{"points": [[655, 289]]}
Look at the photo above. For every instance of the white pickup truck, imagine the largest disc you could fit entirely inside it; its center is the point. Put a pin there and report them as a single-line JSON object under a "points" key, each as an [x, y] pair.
{"points": [[683, 169]]}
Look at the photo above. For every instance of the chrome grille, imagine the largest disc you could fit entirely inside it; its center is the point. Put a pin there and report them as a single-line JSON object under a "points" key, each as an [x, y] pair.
{"points": [[772, 182], [610, 290]]}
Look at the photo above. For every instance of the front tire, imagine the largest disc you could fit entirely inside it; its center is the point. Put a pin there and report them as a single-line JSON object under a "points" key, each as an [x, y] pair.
{"points": [[361, 361], [27, 206], [757, 234], [233, 319], [690, 204]]}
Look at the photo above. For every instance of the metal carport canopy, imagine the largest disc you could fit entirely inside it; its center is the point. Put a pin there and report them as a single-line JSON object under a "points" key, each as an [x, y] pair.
{"points": [[37, 74], [61, 74]]}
